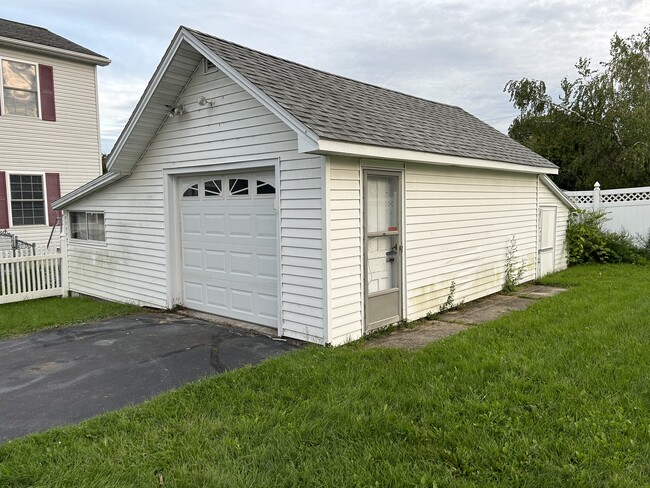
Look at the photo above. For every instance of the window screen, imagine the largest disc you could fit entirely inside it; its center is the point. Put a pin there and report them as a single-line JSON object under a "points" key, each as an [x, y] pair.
{"points": [[20, 88]]}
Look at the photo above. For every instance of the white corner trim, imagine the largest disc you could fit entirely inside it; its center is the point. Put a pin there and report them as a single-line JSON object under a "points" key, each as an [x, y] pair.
{"points": [[64, 53], [558, 193], [326, 146]]}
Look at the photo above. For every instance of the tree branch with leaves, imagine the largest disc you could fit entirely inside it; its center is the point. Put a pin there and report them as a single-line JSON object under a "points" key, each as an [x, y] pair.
{"points": [[599, 128]]}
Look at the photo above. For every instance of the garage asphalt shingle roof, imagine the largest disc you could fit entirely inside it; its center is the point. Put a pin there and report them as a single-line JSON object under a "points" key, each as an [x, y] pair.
{"points": [[342, 109], [39, 35]]}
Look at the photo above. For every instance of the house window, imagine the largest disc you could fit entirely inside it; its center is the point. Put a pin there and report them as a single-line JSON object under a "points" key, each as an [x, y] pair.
{"points": [[87, 226], [19, 88], [27, 199]]}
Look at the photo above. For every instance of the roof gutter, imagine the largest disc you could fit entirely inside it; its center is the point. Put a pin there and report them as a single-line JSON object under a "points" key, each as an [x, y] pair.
{"points": [[326, 146], [63, 53]]}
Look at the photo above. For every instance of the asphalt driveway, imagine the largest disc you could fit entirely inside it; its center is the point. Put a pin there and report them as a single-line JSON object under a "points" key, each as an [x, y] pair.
{"points": [[61, 376]]}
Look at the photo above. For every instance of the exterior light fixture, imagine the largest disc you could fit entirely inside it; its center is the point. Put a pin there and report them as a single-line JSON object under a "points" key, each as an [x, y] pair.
{"points": [[202, 101], [175, 110]]}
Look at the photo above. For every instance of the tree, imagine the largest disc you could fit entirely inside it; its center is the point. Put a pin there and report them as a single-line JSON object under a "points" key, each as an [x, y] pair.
{"points": [[599, 129]]}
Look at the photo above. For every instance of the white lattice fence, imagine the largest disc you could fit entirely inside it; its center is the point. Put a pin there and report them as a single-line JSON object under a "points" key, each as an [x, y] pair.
{"points": [[627, 208], [26, 274]]}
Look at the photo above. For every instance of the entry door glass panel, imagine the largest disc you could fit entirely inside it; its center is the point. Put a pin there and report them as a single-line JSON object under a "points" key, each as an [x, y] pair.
{"points": [[382, 204]]}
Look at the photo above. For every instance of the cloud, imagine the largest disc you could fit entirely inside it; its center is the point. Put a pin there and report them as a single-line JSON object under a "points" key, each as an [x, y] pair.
{"points": [[457, 52]]}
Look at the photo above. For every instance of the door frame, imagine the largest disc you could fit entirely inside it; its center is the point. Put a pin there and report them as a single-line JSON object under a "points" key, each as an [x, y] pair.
{"points": [[171, 201], [399, 173], [540, 249]]}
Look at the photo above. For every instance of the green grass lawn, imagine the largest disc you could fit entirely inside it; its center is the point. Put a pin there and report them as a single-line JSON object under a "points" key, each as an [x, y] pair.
{"points": [[32, 315], [557, 395]]}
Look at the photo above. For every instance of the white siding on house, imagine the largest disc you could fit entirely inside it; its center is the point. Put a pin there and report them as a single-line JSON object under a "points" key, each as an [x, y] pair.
{"points": [[69, 146], [346, 257], [459, 223], [547, 198], [132, 266]]}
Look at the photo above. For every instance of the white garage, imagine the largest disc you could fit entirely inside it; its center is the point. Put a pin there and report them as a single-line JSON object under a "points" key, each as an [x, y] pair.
{"points": [[229, 245], [248, 186]]}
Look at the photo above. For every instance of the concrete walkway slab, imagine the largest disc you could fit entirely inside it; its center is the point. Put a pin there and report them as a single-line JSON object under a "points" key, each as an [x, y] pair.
{"points": [[62, 376], [486, 309], [418, 337], [463, 317]]}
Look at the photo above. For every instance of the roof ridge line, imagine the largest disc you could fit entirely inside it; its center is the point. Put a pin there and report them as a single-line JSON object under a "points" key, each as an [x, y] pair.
{"points": [[323, 71], [31, 25]]}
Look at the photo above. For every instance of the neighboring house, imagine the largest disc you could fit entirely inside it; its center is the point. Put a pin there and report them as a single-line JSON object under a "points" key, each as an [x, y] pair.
{"points": [[255, 188], [49, 126]]}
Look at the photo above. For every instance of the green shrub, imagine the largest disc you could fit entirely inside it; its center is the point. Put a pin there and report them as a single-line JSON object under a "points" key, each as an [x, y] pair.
{"points": [[644, 243], [587, 242]]}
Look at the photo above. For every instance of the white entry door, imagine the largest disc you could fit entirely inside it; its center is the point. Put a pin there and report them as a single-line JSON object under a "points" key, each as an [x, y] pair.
{"points": [[547, 240], [229, 246]]}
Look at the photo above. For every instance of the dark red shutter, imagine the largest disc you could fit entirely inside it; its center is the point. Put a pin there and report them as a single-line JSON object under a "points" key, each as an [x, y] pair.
{"points": [[53, 188], [4, 207], [46, 82]]}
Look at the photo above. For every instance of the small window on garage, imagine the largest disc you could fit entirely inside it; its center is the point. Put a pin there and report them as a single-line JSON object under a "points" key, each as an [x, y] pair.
{"points": [[264, 188], [87, 226], [191, 191], [212, 188], [208, 66], [238, 186]]}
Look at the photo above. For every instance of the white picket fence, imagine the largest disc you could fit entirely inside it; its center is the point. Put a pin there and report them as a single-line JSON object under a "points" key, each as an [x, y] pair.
{"points": [[26, 274], [627, 208]]}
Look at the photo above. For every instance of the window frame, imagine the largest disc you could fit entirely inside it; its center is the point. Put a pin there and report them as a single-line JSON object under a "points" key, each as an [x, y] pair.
{"points": [[10, 199], [3, 105], [87, 241]]}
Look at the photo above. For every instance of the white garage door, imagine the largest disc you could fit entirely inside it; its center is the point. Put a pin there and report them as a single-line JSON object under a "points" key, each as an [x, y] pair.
{"points": [[229, 246]]}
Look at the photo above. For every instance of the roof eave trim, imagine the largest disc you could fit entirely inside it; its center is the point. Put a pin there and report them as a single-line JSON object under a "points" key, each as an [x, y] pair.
{"points": [[305, 134], [64, 53], [144, 102], [326, 146], [558, 192], [85, 190]]}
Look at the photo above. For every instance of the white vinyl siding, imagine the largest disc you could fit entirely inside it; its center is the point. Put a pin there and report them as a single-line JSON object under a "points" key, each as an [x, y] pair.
{"points": [[133, 265], [458, 226], [346, 258], [547, 198], [69, 146]]}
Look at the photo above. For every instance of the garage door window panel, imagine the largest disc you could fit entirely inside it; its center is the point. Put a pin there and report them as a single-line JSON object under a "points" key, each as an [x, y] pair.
{"points": [[191, 191], [212, 188], [264, 188], [238, 186]]}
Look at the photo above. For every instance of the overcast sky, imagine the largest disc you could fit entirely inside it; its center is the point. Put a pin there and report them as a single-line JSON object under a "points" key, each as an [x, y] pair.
{"points": [[455, 52]]}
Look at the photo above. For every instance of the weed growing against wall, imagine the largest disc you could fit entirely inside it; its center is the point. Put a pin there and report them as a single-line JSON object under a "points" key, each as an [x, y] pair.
{"points": [[513, 274], [449, 303]]}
